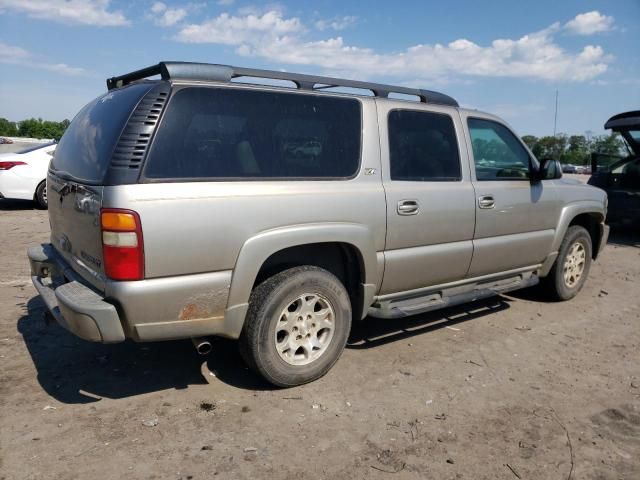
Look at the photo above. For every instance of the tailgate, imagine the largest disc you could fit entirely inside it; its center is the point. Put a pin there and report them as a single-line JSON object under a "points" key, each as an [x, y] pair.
{"points": [[74, 216]]}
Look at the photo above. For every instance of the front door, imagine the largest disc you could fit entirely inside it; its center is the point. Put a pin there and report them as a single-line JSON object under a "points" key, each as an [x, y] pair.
{"points": [[430, 198], [515, 216]]}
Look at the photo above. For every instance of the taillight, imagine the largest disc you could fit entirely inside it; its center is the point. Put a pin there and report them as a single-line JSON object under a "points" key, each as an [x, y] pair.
{"points": [[8, 165], [122, 245]]}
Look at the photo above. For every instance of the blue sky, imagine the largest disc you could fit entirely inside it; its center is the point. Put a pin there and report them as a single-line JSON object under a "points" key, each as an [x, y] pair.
{"points": [[505, 57]]}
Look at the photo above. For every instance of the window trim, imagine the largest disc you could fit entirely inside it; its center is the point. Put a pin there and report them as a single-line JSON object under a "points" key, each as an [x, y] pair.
{"points": [[177, 88], [455, 132], [532, 162]]}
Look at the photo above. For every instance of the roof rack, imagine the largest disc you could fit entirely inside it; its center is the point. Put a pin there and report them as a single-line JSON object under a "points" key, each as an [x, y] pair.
{"points": [[225, 73]]}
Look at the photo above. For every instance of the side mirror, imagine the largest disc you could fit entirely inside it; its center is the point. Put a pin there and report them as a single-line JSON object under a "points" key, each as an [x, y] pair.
{"points": [[550, 169]]}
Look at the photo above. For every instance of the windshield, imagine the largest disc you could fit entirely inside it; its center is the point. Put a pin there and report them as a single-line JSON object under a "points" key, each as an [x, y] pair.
{"points": [[36, 147]]}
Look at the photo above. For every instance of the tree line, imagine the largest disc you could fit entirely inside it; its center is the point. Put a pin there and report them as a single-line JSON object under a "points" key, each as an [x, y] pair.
{"points": [[574, 149], [33, 128]]}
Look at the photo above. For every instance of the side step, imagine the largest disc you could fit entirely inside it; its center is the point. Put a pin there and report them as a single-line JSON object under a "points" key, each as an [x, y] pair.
{"points": [[448, 297]]}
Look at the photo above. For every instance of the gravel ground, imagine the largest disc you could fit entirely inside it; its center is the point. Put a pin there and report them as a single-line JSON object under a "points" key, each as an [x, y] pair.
{"points": [[510, 388]]}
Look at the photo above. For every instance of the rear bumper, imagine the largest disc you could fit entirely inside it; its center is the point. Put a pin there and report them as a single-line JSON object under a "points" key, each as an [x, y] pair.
{"points": [[75, 306], [154, 309]]}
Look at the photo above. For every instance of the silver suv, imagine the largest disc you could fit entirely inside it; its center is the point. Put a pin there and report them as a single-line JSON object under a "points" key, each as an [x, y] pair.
{"points": [[199, 205]]}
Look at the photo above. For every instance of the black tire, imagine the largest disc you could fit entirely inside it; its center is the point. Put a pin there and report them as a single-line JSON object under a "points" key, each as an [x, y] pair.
{"points": [[556, 285], [41, 195], [266, 306]]}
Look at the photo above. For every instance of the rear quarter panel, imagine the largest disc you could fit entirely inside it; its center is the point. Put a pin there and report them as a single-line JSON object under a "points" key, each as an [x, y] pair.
{"points": [[199, 227]]}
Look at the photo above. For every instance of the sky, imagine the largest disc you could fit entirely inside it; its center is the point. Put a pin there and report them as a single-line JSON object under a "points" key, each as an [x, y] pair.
{"points": [[506, 57]]}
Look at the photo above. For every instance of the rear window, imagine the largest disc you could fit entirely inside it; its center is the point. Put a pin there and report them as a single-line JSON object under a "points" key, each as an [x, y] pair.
{"points": [[213, 133], [85, 149]]}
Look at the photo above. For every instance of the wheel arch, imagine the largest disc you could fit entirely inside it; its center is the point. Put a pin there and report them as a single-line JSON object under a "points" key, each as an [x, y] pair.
{"points": [[274, 250], [589, 215]]}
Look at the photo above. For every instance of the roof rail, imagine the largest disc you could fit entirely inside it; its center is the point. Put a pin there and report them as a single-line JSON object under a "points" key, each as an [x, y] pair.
{"points": [[225, 73]]}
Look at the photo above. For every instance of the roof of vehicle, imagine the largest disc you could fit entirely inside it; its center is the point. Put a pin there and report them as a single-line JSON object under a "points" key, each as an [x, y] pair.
{"points": [[227, 73], [624, 120]]}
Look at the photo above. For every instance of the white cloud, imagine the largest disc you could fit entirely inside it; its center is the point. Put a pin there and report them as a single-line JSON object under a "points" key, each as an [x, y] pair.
{"points": [[274, 37], [13, 55], [337, 23], [249, 30], [590, 23], [225, 3], [166, 17], [83, 12], [158, 7]]}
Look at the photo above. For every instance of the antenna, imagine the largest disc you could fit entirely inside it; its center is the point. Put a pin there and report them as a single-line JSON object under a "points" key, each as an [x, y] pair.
{"points": [[555, 116]]}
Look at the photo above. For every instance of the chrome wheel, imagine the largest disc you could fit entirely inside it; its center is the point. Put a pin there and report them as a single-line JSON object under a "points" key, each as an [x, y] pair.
{"points": [[305, 329], [574, 264]]}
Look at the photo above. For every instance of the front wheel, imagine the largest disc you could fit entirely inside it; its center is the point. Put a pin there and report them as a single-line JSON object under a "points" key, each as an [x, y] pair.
{"points": [[571, 268], [297, 326]]}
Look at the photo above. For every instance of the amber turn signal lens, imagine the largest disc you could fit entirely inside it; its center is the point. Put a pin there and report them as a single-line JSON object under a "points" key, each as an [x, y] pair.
{"points": [[120, 222]]}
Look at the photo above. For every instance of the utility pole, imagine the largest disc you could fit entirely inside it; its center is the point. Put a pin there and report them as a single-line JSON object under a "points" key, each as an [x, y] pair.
{"points": [[555, 116]]}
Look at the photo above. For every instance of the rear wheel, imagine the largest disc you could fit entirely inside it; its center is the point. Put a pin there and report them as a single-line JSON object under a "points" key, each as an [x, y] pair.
{"points": [[41, 195], [297, 326], [571, 268]]}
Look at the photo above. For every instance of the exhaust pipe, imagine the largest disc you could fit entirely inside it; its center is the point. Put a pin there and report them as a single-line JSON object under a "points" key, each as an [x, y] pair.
{"points": [[203, 346]]}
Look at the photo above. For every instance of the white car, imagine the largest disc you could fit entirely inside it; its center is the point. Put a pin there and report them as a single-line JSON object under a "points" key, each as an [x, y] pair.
{"points": [[23, 174]]}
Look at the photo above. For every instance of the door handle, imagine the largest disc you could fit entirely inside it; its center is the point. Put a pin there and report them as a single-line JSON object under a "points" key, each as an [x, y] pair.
{"points": [[408, 207], [486, 201]]}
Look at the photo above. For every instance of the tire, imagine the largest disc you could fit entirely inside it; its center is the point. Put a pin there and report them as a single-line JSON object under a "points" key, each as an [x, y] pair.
{"points": [[567, 276], [41, 195], [282, 346]]}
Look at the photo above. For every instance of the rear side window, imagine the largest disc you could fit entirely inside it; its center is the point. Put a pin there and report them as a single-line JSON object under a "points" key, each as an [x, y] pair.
{"points": [[84, 151], [423, 147], [214, 133], [497, 152]]}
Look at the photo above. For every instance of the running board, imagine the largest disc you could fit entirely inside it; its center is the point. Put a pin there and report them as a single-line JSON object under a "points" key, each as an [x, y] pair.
{"points": [[448, 297]]}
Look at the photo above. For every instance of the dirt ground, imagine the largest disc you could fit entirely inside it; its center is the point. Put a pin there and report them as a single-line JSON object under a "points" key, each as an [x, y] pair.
{"points": [[510, 388]]}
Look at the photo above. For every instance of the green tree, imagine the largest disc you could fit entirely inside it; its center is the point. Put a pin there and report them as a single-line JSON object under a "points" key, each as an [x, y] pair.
{"points": [[551, 147], [7, 128], [608, 144], [531, 141], [38, 128], [577, 152]]}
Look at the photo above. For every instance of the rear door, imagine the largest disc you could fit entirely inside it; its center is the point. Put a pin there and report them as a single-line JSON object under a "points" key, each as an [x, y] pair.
{"points": [[515, 216], [430, 198]]}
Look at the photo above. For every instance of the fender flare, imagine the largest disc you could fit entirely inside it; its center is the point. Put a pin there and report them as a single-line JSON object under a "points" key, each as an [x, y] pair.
{"points": [[568, 213], [257, 249], [571, 211]]}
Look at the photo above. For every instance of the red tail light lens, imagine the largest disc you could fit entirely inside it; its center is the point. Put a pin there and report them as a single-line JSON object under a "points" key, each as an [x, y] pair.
{"points": [[122, 245], [8, 165]]}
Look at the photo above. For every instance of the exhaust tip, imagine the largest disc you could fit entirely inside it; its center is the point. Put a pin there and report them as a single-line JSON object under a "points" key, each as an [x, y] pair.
{"points": [[203, 346]]}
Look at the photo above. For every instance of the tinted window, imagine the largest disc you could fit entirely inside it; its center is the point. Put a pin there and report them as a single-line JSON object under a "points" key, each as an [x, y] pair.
{"points": [[238, 133], [85, 149], [422, 147], [497, 153]]}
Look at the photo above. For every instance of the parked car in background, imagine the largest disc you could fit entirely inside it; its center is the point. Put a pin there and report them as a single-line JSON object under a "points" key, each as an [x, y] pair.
{"points": [[4, 140], [23, 174], [568, 168], [385, 208], [620, 176]]}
